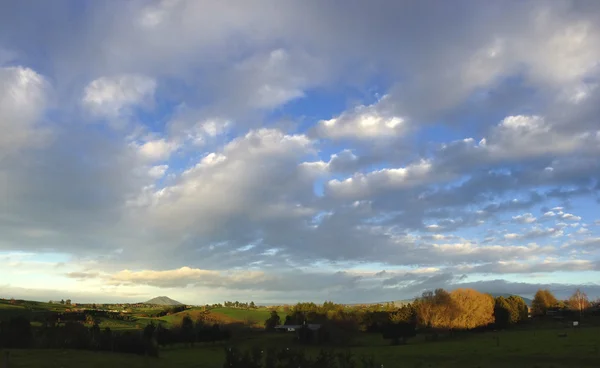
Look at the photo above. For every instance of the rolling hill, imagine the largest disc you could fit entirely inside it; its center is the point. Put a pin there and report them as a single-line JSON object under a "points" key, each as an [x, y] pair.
{"points": [[163, 300]]}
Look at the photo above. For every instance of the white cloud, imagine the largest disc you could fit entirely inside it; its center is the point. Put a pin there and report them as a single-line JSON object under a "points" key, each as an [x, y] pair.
{"points": [[185, 276], [570, 217], [113, 96], [157, 150], [526, 218], [23, 99], [158, 171], [362, 185], [363, 122], [530, 136]]}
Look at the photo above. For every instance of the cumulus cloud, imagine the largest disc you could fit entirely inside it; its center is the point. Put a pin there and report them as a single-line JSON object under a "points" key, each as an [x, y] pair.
{"points": [[157, 150], [112, 96], [362, 185], [23, 99], [363, 122], [526, 218], [254, 142]]}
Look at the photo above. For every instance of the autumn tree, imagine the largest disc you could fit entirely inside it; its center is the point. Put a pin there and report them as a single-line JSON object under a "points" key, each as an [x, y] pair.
{"points": [[543, 300], [475, 309], [407, 314], [518, 309], [579, 302], [436, 309]]}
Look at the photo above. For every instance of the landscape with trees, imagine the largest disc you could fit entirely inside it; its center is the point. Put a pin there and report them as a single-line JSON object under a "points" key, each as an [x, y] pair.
{"points": [[288, 333], [300, 183]]}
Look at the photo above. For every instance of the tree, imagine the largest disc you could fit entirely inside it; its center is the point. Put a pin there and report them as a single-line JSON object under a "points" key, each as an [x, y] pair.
{"points": [[501, 312], [62, 301], [579, 302], [436, 309], [187, 330], [149, 331], [543, 300], [68, 302], [272, 321], [16, 333], [518, 309], [406, 314], [475, 309], [399, 332], [252, 305]]}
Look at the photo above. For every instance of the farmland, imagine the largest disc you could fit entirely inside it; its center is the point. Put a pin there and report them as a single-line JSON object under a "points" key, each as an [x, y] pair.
{"points": [[539, 342], [137, 317], [517, 348]]}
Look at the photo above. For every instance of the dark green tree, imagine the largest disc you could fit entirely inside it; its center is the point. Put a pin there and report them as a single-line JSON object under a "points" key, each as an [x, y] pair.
{"points": [[273, 320], [501, 312], [187, 330]]}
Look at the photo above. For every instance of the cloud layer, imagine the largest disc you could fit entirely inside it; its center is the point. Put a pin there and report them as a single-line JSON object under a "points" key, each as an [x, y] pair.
{"points": [[231, 149]]}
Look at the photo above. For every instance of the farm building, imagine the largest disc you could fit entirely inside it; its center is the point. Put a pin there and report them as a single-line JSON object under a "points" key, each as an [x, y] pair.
{"points": [[294, 328]]}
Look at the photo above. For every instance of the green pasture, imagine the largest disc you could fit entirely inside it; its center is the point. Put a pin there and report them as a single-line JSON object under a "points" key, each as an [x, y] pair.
{"points": [[256, 315], [531, 348]]}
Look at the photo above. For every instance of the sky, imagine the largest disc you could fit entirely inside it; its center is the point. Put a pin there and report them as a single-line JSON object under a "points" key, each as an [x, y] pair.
{"points": [[286, 150]]}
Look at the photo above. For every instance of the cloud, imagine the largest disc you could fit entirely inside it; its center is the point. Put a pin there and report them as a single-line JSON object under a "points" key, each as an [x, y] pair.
{"points": [[363, 185], [157, 150], [363, 122], [183, 277], [531, 268], [248, 141], [113, 96], [23, 99], [83, 275], [570, 217], [526, 218]]}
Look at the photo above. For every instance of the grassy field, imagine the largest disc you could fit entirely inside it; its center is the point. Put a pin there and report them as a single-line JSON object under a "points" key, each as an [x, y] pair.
{"points": [[518, 348], [255, 317], [28, 309], [258, 315]]}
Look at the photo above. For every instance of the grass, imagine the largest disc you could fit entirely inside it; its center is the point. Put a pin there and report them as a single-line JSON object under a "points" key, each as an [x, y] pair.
{"points": [[257, 315], [529, 348]]}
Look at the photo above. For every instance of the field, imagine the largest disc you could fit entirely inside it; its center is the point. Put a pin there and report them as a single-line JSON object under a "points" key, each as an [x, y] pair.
{"points": [[540, 345], [517, 348], [251, 317]]}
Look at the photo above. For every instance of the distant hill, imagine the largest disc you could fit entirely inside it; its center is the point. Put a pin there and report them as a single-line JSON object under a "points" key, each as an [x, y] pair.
{"points": [[163, 300]]}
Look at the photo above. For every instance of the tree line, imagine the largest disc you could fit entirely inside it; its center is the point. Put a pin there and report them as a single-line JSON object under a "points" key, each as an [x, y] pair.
{"points": [[439, 310], [240, 305], [17, 332]]}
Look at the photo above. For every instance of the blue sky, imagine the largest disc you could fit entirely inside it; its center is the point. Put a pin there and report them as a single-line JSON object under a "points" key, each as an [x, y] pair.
{"points": [[226, 150]]}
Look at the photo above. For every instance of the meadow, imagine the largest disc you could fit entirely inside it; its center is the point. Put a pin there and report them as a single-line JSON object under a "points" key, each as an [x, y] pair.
{"points": [[527, 347], [534, 343]]}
